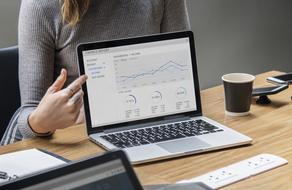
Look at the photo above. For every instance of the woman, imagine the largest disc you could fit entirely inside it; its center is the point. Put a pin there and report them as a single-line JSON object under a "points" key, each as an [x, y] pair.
{"points": [[49, 32]]}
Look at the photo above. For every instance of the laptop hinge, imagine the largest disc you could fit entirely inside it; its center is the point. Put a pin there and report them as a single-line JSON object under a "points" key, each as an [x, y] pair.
{"points": [[165, 121]]}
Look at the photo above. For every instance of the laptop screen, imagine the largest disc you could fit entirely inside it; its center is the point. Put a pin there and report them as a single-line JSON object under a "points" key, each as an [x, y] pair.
{"points": [[111, 175], [139, 81]]}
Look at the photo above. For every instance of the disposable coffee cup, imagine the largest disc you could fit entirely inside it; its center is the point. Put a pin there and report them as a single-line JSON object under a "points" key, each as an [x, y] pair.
{"points": [[238, 93]]}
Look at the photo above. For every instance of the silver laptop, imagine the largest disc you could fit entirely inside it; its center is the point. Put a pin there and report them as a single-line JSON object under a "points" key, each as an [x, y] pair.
{"points": [[143, 96]]}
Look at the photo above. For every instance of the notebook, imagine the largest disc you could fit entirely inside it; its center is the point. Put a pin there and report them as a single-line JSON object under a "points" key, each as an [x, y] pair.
{"points": [[22, 163]]}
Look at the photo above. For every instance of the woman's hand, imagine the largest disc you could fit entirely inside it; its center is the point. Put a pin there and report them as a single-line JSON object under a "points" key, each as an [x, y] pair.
{"points": [[59, 108]]}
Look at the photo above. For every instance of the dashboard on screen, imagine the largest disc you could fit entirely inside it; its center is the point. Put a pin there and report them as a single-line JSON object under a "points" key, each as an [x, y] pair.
{"points": [[140, 81]]}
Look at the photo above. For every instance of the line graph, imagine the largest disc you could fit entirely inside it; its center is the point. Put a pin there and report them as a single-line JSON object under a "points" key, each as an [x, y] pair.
{"points": [[151, 69], [165, 67]]}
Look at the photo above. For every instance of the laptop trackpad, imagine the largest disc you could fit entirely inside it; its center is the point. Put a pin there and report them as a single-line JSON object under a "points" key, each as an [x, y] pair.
{"points": [[184, 145]]}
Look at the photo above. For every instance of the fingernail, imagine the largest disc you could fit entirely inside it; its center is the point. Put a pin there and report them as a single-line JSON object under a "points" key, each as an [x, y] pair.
{"points": [[63, 72]]}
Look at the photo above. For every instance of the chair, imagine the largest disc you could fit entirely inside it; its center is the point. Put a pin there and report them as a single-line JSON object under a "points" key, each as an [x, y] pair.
{"points": [[10, 95]]}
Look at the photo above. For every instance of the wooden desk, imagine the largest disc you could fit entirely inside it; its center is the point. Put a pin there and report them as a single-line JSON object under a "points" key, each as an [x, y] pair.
{"points": [[270, 126]]}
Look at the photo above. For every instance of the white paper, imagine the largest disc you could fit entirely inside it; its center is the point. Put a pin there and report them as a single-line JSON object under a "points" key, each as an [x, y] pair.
{"points": [[21, 163]]}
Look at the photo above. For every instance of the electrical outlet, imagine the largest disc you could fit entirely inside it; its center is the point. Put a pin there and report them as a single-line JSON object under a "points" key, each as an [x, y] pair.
{"points": [[222, 177], [261, 163], [239, 171]]}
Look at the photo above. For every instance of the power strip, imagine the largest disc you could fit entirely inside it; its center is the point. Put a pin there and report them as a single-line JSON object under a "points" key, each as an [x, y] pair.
{"points": [[239, 171]]}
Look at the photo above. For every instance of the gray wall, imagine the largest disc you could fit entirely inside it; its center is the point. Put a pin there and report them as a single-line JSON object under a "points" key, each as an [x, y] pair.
{"points": [[8, 22], [231, 35], [250, 36]]}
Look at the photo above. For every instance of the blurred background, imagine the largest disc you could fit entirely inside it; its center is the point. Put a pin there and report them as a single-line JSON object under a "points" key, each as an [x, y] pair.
{"points": [[250, 36]]}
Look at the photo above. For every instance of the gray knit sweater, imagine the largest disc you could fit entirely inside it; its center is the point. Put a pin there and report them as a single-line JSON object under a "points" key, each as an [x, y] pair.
{"points": [[46, 45]]}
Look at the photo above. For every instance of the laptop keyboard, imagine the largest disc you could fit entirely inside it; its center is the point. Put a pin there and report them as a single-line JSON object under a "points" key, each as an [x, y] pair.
{"points": [[161, 133]]}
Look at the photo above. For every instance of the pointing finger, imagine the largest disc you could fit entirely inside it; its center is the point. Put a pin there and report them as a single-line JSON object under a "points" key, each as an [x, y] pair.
{"points": [[75, 86]]}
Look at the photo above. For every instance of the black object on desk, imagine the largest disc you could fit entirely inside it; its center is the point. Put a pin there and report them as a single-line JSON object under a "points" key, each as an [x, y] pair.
{"points": [[110, 171], [265, 91]]}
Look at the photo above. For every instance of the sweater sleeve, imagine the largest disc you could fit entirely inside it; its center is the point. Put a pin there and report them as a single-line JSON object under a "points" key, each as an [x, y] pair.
{"points": [[175, 17], [36, 58]]}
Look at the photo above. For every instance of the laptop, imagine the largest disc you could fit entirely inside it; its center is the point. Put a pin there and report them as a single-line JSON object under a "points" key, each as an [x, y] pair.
{"points": [[109, 171], [142, 95]]}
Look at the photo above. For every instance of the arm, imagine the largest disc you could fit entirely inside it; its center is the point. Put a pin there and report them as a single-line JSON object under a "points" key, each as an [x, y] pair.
{"points": [[36, 59], [58, 109], [175, 17], [46, 106]]}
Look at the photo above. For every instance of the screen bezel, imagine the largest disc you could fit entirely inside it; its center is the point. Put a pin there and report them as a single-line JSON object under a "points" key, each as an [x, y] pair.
{"points": [[131, 41], [73, 167]]}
